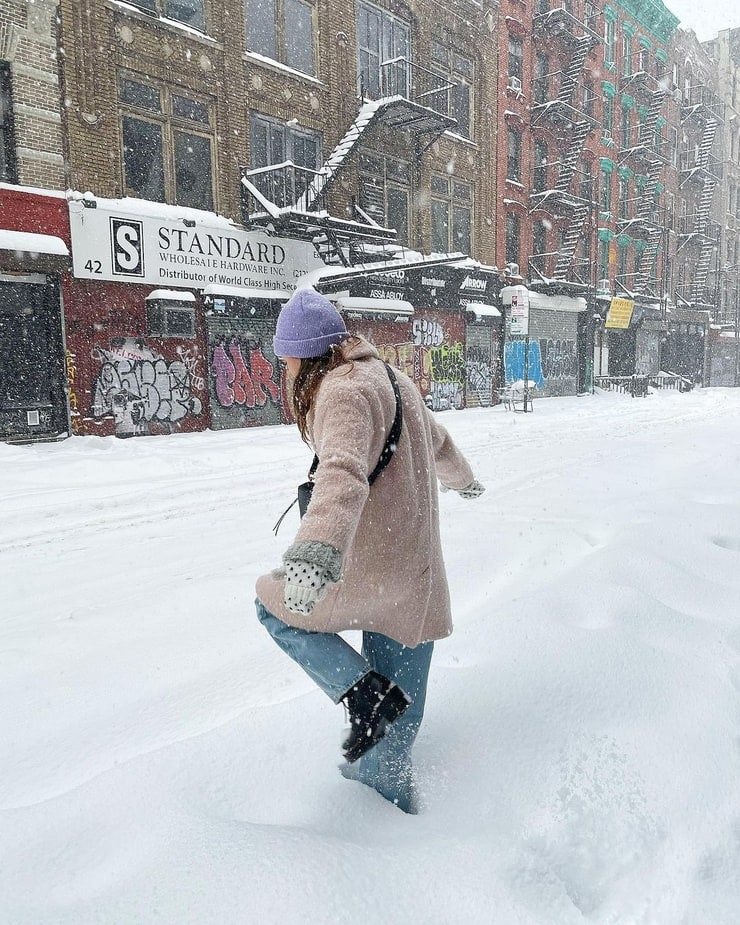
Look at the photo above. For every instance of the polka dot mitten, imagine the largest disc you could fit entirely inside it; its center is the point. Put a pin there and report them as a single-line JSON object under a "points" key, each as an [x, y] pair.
{"points": [[305, 585]]}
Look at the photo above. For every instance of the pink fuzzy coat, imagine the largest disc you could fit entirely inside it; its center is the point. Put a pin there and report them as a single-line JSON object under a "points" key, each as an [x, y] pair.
{"points": [[394, 578]]}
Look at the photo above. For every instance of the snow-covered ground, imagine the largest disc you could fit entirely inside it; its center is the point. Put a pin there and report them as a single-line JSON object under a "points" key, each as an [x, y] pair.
{"points": [[161, 761]]}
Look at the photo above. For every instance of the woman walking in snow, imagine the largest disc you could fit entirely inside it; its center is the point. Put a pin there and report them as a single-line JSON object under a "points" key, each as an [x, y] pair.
{"points": [[367, 556]]}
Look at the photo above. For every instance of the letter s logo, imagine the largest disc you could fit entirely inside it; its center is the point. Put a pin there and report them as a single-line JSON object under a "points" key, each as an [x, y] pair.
{"points": [[127, 246]]}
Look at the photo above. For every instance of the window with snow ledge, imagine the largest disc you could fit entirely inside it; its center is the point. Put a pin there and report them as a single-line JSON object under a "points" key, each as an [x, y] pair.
{"points": [[283, 30], [167, 143], [8, 172], [457, 101], [513, 155], [385, 191], [294, 153], [170, 316], [513, 234], [452, 215], [189, 12], [383, 52]]}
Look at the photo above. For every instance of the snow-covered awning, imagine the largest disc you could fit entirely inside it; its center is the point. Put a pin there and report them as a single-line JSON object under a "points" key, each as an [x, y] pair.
{"points": [[170, 295], [24, 250], [32, 243], [375, 306], [545, 302], [481, 310], [242, 292]]}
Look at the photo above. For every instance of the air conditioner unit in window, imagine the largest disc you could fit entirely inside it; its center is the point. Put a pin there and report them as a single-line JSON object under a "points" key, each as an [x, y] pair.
{"points": [[606, 133], [604, 285], [512, 269], [515, 84]]}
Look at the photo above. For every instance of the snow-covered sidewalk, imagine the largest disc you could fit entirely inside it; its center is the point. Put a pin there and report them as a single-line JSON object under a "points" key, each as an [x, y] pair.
{"points": [[163, 762]]}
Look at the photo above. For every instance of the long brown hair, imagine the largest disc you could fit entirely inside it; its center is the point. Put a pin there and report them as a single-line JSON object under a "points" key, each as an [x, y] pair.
{"points": [[309, 378]]}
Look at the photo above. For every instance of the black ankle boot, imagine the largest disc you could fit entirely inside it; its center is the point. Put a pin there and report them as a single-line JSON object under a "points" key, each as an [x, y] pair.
{"points": [[373, 704]]}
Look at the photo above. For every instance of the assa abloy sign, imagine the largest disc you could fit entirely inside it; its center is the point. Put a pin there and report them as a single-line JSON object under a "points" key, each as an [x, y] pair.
{"points": [[111, 243]]}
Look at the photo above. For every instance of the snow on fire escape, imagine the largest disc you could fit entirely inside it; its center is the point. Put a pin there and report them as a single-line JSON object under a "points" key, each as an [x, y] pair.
{"points": [[703, 112], [647, 159], [412, 100], [562, 104]]}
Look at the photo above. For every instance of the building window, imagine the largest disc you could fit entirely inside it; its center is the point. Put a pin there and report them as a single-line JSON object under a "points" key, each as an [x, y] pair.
{"points": [[272, 142], [452, 213], [587, 182], [608, 116], [513, 230], [539, 173], [623, 198], [8, 172], [673, 145], [382, 37], [513, 155], [459, 71], [170, 319], [539, 243], [626, 128], [283, 30], [626, 54], [606, 192], [385, 192], [189, 12], [588, 97], [603, 260], [167, 144], [622, 262], [609, 41], [516, 55], [541, 77]]}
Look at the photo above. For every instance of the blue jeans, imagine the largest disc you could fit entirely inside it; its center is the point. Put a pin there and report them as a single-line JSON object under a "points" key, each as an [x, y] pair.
{"points": [[335, 667]]}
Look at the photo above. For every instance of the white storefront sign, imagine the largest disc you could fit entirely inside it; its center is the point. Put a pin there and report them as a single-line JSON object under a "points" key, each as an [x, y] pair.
{"points": [[519, 323], [143, 242]]}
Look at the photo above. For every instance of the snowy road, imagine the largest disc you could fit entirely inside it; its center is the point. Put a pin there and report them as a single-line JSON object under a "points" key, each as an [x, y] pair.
{"points": [[163, 762]]}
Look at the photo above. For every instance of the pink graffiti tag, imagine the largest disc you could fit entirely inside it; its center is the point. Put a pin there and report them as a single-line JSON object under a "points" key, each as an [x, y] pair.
{"points": [[241, 384]]}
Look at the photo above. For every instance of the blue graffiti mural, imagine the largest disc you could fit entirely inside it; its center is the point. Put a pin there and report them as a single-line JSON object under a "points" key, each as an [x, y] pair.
{"points": [[514, 362]]}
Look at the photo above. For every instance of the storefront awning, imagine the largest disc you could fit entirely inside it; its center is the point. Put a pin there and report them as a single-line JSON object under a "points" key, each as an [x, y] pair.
{"points": [[544, 302], [375, 306], [481, 310], [170, 295], [240, 292], [23, 250]]}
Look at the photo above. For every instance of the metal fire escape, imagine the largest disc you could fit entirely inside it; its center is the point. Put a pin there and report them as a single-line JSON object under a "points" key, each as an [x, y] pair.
{"points": [[292, 200], [703, 111], [565, 116], [649, 156]]}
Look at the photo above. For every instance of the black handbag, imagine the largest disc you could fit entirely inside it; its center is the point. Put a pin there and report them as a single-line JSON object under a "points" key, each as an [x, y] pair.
{"points": [[305, 489]]}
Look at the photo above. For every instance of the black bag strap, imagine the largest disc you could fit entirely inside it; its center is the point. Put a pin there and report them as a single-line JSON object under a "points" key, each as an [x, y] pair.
{"points": [[391, 444]]}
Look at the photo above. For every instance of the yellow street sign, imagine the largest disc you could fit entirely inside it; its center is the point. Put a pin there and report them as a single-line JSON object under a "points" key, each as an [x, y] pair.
{"points": [[620, 313]]}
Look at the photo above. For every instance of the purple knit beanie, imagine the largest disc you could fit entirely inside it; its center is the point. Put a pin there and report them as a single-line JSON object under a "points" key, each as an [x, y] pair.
{"points": [[307, 326]]}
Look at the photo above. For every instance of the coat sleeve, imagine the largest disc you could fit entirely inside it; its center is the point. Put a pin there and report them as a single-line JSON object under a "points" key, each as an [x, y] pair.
{"points": [[453, 469], [344, 437]]}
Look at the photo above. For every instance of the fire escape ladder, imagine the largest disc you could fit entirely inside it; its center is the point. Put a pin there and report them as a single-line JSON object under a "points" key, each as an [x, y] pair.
{"points": [[647, 129], [646, 206], [366, 118], [707, 140], [574, 69], [329, 249], [647, 260], [572, 236], [572, 155], [701, 271], [704, 207]]}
